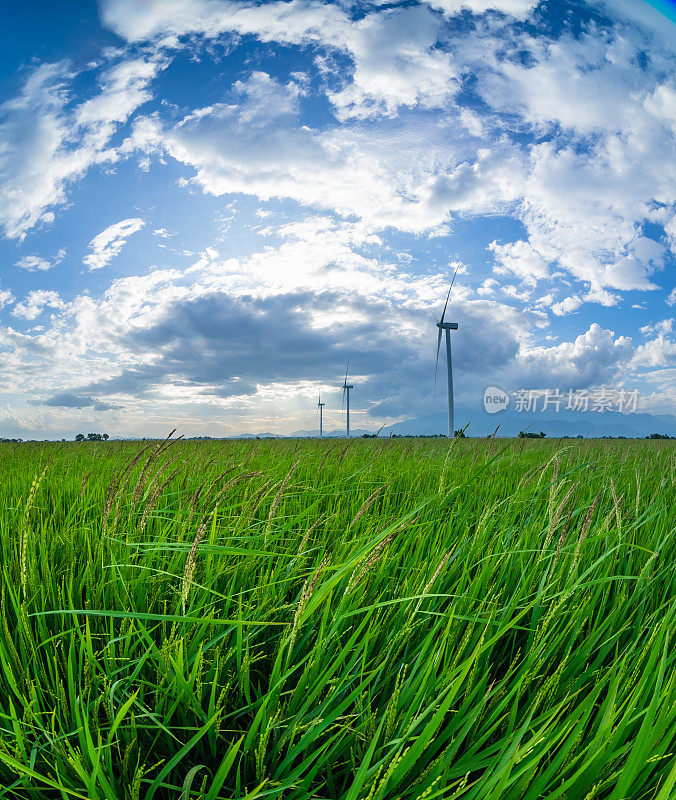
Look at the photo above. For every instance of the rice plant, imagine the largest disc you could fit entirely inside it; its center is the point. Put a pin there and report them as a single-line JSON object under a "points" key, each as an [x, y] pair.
{"points": [[364, 620]]}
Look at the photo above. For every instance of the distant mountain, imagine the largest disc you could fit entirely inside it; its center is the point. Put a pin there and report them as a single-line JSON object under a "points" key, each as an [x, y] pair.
{"points": [[257, 436], [565, 423], [337, 434]]}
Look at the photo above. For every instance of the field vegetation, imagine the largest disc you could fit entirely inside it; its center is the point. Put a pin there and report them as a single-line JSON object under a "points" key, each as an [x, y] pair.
{"points": [[372, 620]]}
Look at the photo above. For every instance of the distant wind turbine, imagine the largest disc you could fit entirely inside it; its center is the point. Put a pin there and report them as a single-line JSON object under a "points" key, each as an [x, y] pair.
{"points": [[320, 406], [346, 393], [447, 327]]}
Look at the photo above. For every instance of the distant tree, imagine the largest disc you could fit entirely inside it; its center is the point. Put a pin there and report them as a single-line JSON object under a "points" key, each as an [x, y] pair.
{"points": [[542, 435], [658, 436], [460, 434], [105, 437], [80, 437]]}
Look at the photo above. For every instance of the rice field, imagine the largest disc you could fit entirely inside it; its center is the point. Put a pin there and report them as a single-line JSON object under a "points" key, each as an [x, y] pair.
{"points": [[372, 620]]}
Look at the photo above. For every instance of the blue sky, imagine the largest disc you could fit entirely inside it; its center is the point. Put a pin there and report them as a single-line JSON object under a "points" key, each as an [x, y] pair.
{"points": [[209, 205]]}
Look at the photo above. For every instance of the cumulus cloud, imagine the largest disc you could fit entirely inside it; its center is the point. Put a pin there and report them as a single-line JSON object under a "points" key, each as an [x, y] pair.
{"points": [[6, 297], [33, 263], [396, 63], [663, 326], [109, 243], [659, 351], [594, 358], [36, 302], [520, 258], [567, 305]]}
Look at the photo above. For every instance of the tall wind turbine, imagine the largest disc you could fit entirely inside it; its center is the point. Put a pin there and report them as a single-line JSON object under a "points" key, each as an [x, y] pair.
{"points": [[320, 406], [446, 328], [346, 393]]}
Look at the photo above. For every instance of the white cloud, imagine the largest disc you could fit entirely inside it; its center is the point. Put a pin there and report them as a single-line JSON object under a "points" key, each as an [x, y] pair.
{"points": [[593, 358], [521, 258], [663, 326], [395, 64], [46, 142], [124, 87], [395, 61], [268, 153], [109, 243], [671, 300], [567, 305], [584, 203], [35, 304], [601, 296], [6, 297], [607, 147], [572, 303], [643, 15], [657, 352], [516, 8], [35, 263], [295, 22], [487, 288]]}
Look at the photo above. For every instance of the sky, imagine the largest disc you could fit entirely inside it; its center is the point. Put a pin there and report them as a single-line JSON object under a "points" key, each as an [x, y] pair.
{"points": [[208, 206]]}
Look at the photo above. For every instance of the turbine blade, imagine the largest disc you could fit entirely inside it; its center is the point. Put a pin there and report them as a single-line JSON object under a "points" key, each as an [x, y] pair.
{"points": [[436, 321], [445, 305], [347, 368], [436, 365], [454, 274], [449, 294]]}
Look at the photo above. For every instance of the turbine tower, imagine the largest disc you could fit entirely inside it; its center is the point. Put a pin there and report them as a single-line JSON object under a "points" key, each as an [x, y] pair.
{"points": [[320, 406], [346, 393], [446, 328]]}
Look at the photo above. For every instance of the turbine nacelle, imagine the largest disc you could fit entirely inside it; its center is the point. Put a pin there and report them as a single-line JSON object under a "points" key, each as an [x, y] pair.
{"points": [[447, 326]]}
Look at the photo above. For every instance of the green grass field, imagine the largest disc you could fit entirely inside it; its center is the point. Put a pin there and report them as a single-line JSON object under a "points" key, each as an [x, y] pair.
{"points": [[486, 620]]}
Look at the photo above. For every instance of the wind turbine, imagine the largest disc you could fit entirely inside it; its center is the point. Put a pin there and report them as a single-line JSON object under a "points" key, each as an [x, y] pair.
{"points": [[320, 406], [447, 327], [346, 392]]}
